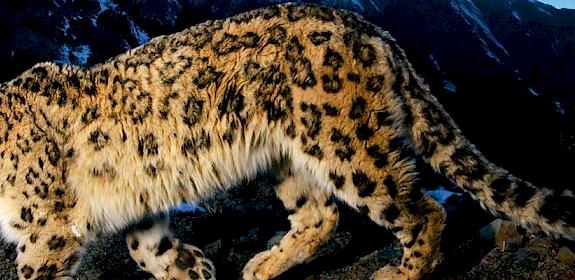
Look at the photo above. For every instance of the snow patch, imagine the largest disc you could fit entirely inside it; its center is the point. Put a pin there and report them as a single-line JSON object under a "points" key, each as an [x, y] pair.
{"points": [[189, 208], [358, 4], [473, 17], [63, 55], [374, 5], [140, 35], [434, 62], [544, 11], [106, 5], [559, 107], [125, 44], [65, 26], [516, 16], [533, 92], [448, 85], [81, 54], [488, 51], [77, 55], [441, 194]]}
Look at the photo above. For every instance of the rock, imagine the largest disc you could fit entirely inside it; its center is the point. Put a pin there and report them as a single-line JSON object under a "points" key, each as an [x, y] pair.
{"points": [[213, 249], [252, 198], [566, 256], [535, 261], [335, 245], [360, 269], [503, 234], [155, 13], [8, 270], [276, 239]]}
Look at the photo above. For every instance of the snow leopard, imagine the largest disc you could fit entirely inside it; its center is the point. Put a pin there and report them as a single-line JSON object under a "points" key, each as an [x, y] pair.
{"points": [[317, 96]]}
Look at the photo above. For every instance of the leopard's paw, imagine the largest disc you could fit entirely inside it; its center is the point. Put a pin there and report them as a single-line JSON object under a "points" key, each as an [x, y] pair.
{"points": [[188, 262], [263, 266]]}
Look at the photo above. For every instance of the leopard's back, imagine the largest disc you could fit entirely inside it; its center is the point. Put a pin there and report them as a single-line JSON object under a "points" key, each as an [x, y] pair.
{"points": [[187, 113]]}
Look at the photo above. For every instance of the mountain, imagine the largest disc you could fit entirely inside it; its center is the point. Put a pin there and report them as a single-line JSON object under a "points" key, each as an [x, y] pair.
{"points": [[505, 70]]}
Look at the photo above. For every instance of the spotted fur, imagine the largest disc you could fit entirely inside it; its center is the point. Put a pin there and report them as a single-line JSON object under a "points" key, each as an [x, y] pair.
{"points": [[321, 97]]}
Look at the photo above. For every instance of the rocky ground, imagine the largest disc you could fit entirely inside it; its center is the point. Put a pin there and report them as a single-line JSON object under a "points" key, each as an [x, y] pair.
{"points": [[249, 219]]}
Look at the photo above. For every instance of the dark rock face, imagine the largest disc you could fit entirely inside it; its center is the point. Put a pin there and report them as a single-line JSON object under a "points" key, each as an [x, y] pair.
{"points": [[501, 69]]}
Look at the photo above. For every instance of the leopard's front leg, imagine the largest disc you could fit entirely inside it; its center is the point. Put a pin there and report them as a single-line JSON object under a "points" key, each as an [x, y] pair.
{"points": [[313, 217]]}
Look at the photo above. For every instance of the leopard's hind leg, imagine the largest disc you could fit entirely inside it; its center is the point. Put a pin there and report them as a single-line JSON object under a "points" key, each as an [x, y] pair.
{"points": [[156, 251], [391, 198], [379, 179], [313, 215], [417, 222]]}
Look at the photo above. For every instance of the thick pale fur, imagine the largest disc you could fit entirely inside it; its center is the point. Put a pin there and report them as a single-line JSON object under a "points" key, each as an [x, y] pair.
{"points": [[317, 95]]}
